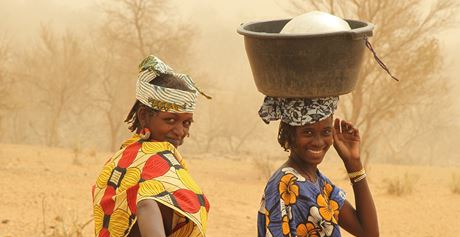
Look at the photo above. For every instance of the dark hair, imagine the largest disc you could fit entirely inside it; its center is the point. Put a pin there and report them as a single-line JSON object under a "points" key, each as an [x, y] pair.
{"points": [[163, 80], [286, 135]]}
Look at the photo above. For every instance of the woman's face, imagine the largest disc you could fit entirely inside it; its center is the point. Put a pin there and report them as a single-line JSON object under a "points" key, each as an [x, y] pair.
{"points": [[312, 141], [170, 127]]}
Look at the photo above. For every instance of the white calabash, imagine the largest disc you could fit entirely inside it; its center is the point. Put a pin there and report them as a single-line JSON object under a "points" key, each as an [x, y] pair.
{"points": [[315, 22]]}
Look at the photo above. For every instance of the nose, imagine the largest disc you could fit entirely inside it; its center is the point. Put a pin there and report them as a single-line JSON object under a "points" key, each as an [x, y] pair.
{"points": [[318, 141], [179, 130]]}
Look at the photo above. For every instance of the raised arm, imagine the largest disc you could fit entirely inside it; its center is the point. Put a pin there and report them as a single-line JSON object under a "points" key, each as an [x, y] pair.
{"points": [[362, 221]]}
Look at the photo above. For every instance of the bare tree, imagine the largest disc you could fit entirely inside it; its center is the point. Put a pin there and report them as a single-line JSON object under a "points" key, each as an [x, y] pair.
{"points": [[110, 94], [223, 124], [405, 38], [5, 81], [144, 27], [59, 71], [132, 30]]}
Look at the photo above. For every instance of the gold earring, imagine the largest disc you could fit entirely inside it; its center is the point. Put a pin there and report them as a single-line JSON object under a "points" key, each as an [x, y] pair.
{"points": [[145, 134], [286, 145]]}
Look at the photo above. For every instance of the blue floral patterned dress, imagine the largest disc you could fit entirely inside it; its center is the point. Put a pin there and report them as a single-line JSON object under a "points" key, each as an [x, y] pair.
{"points": [[293, 206]]}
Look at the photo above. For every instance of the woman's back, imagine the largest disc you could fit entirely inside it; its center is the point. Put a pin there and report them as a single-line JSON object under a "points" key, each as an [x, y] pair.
{"points": [[147, 170]]}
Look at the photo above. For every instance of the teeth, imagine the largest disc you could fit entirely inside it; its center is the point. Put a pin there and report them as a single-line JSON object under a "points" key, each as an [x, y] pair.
{"points": [[315, 152]]}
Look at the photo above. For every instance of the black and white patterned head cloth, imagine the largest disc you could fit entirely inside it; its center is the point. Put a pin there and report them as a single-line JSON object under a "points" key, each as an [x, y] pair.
{"points": [[162, 98], [297, 111]]}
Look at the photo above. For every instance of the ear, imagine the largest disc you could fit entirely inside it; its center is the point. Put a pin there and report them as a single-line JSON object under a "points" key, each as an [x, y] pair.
{"points": [[142, 116]]}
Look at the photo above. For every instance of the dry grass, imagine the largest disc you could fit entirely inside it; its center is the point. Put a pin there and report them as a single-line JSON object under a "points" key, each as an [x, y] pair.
{"points": [[401, 185], [64, 228], [77, 151], [64, 225], [92, 153], [455, 183]]}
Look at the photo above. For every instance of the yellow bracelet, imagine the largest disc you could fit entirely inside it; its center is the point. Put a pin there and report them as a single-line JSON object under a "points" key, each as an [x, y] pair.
{"points": [[360, 178], [356, 174]]}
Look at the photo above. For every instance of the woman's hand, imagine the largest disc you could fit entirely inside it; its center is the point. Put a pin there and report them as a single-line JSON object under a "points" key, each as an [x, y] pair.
{"points": [[362, 221], [346, 141]]}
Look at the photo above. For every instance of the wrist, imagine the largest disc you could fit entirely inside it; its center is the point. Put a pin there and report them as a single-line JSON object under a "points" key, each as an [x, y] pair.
{"points": [[353, 166], [358, 178]]}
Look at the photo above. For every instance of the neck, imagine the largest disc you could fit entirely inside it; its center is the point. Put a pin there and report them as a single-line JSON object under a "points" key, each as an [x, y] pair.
{"points": [[305, 169]]}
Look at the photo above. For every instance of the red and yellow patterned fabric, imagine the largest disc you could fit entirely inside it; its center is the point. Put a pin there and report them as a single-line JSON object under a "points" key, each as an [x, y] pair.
{"points": [[147, 170]]}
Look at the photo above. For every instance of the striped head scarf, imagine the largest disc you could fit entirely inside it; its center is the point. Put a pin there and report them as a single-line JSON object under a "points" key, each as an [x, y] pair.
{"points": [[162, 98], [297, 111]]}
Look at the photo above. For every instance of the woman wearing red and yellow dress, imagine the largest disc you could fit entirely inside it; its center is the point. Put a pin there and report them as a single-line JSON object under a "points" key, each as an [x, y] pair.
{"points": [[145, 189]]}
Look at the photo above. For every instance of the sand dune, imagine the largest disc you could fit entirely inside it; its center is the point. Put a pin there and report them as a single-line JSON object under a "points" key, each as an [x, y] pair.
{"points": [[46, 189]]}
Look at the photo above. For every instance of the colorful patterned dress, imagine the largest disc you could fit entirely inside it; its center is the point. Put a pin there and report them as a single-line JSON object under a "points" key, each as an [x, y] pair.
{"points": [[147, 170], [294, 206]]}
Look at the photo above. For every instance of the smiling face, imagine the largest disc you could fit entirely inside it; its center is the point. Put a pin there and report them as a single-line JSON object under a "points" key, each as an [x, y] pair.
{"points": [[166, 126], [312, 141]]}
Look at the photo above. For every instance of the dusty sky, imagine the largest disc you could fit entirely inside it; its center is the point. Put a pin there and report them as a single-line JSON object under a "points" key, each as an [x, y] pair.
{"points": [[217, 21]]}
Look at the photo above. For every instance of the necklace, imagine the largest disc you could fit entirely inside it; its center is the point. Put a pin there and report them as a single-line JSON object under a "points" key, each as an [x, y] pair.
{"points": [[297, 164]]}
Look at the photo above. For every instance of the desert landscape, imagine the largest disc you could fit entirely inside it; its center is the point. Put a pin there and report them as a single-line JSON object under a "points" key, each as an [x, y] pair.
{"points": [[46, 192]]}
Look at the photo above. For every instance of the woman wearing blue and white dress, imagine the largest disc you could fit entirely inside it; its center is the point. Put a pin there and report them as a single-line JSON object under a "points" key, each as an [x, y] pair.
{"points": [[298, 199]]}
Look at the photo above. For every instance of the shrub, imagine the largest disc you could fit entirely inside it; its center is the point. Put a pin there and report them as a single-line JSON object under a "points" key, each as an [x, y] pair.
{"points": [[455, 183], [265, 166], [401, 185]]}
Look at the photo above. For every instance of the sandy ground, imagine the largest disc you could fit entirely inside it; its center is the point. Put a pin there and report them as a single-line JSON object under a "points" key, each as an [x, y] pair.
{"points": [[46, 191]]}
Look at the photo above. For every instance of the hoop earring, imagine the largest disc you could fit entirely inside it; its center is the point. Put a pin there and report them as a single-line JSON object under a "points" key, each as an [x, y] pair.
{"points": [[145, 134], [286, 145]]}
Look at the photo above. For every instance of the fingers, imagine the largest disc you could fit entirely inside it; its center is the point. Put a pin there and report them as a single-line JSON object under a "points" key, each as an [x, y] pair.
{"points": [[342, 127], [347, 128], [336, 129], [337, 125]]}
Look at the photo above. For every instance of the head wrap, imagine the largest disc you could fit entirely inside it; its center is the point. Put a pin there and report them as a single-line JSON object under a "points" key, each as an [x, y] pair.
{"points": [[297, 111], [162, 98]]}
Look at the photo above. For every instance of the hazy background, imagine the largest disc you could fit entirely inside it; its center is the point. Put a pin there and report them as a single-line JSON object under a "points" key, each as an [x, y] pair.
{"points": [[214, 56]]}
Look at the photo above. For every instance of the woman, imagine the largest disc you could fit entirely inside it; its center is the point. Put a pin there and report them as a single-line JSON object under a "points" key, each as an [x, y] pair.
{"points": [[298, 199], [145, 188]]}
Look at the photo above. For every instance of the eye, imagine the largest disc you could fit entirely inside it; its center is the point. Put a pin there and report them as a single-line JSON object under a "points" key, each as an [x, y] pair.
{"points": [[170, 120], [307, 132], [327, 132], [187, 123]]}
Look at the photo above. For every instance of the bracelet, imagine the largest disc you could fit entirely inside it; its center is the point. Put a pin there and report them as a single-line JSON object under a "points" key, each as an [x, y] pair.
{"points": [[359, 178], [356, 174]]}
